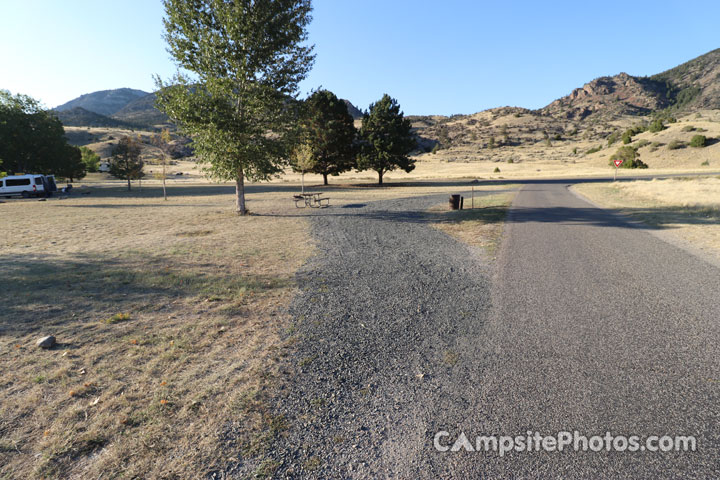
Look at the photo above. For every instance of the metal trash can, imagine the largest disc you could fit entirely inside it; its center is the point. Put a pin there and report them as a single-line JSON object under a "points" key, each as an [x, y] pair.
{"points": [[456, 202]]}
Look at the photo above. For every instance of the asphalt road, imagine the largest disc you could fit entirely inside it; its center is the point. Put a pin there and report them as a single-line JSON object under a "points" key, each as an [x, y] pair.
{"points": [[598, 326], [583, 323]]}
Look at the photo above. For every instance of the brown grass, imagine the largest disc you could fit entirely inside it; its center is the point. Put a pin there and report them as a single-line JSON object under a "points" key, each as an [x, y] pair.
{"points": [[168, 317], [480, 226], [686, 208]]}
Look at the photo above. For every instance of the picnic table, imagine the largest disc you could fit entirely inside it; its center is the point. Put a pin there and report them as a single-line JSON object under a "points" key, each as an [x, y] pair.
{"points": [[311, 199]]}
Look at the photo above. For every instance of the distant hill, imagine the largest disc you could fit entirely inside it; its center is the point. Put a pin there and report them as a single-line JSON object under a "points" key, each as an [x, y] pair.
{"points": [[105, 102], [142, 111], [694, 84], [79, 117], [353, 110], [609, 97]]}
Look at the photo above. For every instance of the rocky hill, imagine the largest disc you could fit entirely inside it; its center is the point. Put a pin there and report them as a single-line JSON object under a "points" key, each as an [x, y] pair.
{"points": [[611, 97], [105, 102]]}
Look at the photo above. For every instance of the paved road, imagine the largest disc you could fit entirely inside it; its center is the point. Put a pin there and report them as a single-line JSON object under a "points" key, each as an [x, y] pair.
{"points": [[596, 327], [588, 324]]}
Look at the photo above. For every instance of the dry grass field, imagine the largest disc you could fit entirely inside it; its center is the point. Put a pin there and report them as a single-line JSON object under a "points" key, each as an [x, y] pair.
{"points": [[167, 317], [170, 322], [687, 208]]}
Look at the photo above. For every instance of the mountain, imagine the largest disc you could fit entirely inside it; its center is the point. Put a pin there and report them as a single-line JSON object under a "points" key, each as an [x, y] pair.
{"points": [[105, 102], [353, 110], [610, 97], [695, 84], [79, 117], [142, 111], [691, 86]]}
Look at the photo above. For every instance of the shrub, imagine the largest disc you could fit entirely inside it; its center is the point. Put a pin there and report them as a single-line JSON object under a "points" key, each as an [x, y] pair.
{"points": [[656, 126], [688, 128], [626, 137], [510, 160], [575, 151], [675, 144], [593, 150], [705, 163], [613, 137], [497, 170], [642, 143], [698, 141], [629, 156]]}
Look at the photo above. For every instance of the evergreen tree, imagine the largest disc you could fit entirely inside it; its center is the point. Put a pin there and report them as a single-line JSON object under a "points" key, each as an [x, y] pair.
{"points": [[246, 57], [328, 129], [386, 139]]}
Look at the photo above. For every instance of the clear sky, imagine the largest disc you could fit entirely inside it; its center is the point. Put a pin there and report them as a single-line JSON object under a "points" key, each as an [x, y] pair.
{"points": [[435, 57]]}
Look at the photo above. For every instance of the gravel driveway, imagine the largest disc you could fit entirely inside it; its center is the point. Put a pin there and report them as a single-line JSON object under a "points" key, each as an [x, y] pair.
{"points": [[389, 326]]}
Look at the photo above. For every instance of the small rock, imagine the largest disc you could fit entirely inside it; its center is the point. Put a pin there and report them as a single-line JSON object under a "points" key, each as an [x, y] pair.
{"points": [[46, 342]]}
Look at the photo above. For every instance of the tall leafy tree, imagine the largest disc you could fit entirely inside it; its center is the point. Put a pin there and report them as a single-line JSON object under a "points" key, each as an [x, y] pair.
{"points": [[32, 139], [69, 164], [328, 129], [126, 163], [245, 59], [90, 159], [386, 139]]}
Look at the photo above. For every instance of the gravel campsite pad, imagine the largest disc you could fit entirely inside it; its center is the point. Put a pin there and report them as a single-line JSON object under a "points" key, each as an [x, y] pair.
{"points": [[388, 321]]}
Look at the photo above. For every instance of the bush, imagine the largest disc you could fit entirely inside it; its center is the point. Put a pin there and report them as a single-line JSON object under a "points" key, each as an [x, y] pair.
{"points": [[613, 137], [675, 144], [705, 163], [698, 141], [642, 143], [497, 170], [688, 128], [593, 150], [656, 126], [629, 156]]}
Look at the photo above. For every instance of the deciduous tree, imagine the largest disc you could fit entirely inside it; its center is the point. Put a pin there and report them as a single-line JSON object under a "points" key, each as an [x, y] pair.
{"points": [[126, 163], [245, 59]]}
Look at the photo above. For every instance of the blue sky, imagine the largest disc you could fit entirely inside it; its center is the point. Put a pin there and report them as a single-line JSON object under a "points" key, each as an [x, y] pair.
{"points": [[435, 57]]}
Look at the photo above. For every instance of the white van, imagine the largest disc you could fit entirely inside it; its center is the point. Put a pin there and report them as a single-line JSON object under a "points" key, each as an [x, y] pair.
{"points": [[27, 186]]}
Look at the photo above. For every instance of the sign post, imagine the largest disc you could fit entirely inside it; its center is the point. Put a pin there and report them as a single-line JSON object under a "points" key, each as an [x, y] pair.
{"points": [[617, 165]]}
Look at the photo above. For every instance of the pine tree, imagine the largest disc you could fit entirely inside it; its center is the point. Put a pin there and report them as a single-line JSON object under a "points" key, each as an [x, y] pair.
{"points": [[386, 139], [328, 129]]}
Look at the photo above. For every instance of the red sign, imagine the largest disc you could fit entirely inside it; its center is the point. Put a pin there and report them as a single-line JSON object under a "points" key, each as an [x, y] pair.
{"points": [[618, 163]]}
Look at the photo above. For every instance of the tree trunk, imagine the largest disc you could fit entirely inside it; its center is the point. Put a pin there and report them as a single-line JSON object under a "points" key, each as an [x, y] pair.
{"points": [[240, 193], [380, 177], [325, 182]]}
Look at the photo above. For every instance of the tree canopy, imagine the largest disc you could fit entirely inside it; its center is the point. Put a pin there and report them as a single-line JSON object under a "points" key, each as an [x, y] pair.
{"points": [[386, 139], [245, 58], [126, 163], [329, 130], [32, 139]]}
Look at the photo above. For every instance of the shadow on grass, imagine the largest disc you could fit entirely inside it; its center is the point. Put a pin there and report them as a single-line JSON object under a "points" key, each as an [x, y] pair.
{"points": [[40, 292]]}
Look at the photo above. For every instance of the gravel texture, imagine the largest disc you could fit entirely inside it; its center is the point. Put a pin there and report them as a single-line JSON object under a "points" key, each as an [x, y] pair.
{"points": [[388, 322]]}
